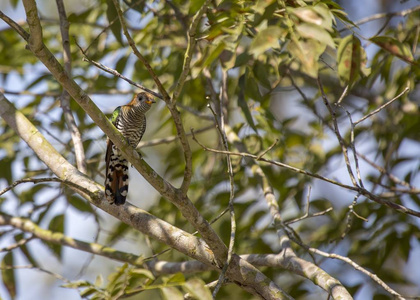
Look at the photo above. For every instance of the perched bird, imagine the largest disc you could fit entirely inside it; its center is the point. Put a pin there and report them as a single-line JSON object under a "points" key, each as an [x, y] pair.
{"points": [[130, 120]]}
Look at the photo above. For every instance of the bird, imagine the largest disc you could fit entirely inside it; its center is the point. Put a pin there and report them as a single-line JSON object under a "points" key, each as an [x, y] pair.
{"points": [[130, 120]]}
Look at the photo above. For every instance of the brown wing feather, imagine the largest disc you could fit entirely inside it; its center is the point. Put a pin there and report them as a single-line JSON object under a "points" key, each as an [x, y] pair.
{"points": [[108, 154]]}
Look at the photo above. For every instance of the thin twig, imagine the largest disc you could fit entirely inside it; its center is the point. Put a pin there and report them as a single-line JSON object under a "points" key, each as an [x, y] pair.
{"points": [[337, 132], [116, 73], [307, 215], [137, 53], [33, 180], [192, 32], [221, 129], [76, 137], [170, 139], [268, 149], [374, 17], [344, 94], [32, 267], [357, 267], [15, 26], [353, 148], [360, 190], [382, 106], [17, 244]]}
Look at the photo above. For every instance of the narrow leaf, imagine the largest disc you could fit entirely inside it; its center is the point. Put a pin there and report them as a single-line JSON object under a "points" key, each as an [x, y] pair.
{"points": [[198, 289], [171, 293], [243, 105], [111, 14], [8, 275], [350, 59], [394, 47]]}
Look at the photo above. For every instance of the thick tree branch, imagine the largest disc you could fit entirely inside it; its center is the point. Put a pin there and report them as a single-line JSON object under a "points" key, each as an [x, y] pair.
{"points": [[27, 225]]}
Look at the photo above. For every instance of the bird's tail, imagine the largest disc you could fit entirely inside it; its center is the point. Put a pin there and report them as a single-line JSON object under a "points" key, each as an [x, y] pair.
{"points": [[116, 182]]}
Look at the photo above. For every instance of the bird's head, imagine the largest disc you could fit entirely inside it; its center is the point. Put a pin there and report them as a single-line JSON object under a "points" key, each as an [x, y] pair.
{"points": [[143, 99]]}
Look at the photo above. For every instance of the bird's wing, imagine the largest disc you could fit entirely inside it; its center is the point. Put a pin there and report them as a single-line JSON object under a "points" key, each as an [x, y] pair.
{"points": [[108, 153]]}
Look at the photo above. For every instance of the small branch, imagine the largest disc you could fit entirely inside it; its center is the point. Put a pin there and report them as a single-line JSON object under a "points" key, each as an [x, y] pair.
{"points": [[353, 148], [105, 28], [347, 260], [170, 139], [223, 136], [337, 132], [273, 162], [65, 97], [27, 225], [266, 150], [33, 180], [116, 73], [307, 215], [383, 106], [360, 190], [32, 267], [17, 244], [190, 48], [344, 94], [15, 26], [137, 53], [374, 17]]}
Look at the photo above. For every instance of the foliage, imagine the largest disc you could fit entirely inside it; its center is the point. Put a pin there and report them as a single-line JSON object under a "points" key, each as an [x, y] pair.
{"points": [[269, 56]]}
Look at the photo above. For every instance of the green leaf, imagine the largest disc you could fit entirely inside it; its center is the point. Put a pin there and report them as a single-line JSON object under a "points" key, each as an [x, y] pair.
{"points": [[264, 10], [56, 225], [195, 6], [315, 32], [177, 278], [395, 47], [119, 230], [143, 273], [80, 204], [266, 39], [307, 52], [243, 105], [112, 15], [351, 58], [171, 293], [198, 289], [318, 15], [14, 3], [8, 274]]}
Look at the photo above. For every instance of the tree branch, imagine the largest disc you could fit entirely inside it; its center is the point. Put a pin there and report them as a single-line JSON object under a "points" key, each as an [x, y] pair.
{"points": [[65, 97], [221, 128], [27, 225], [190, 49]]}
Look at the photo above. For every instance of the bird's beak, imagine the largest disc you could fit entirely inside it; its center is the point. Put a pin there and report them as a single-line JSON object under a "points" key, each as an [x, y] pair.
{"points": [[150, 101]]}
